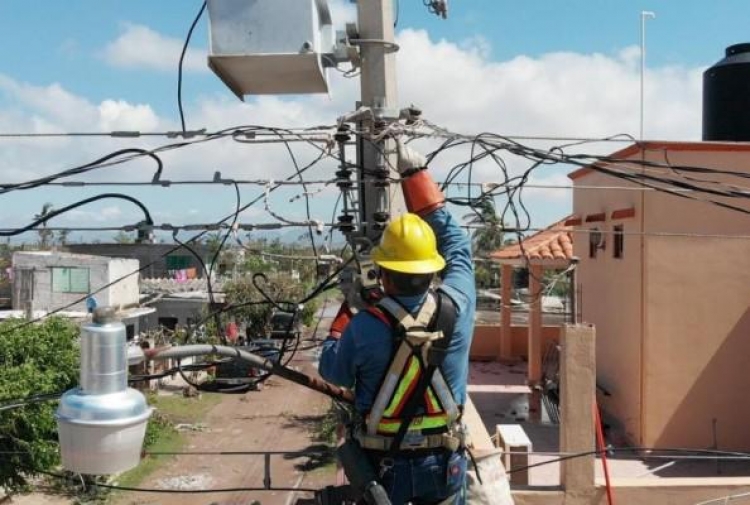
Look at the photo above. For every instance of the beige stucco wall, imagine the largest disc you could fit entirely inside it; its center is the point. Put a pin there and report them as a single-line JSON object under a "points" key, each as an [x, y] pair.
{"points": [[698, 353], [672, 331], [485, 347], [697, 349], [610, 295]]}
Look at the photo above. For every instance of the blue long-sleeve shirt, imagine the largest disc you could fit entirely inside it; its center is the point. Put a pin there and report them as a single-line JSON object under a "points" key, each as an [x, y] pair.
{"points": [[360, 358]]}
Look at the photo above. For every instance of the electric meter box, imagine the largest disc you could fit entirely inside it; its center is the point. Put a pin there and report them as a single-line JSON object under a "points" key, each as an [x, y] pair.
{"points": [[262, 47]]}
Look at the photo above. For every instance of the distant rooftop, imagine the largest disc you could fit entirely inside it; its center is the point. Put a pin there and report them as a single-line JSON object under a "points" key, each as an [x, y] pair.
{"points": [[175, 286], [553, 243], [61, 254]]}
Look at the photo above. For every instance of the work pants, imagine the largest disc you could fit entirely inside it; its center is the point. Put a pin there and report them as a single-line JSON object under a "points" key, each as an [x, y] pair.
{"points": [[427, 480]]}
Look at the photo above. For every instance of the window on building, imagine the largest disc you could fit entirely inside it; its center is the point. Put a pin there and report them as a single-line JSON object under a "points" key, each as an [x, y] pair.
{"points": [[619, 241], [596, 241], [70, 280], [169, 323], [176, 262]]}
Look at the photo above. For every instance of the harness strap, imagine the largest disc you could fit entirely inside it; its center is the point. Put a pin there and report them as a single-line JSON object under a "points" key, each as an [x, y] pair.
{"points": [[445, 320], [406, 320], [434, 320], [387, 388]]}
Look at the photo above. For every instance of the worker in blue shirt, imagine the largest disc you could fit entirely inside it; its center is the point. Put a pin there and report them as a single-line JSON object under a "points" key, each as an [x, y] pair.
{"points": [[415, 249]]}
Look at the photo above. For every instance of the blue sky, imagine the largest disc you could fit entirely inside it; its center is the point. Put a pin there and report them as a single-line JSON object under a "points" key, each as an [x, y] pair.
{"points": [[545, 67], [61, 41]]}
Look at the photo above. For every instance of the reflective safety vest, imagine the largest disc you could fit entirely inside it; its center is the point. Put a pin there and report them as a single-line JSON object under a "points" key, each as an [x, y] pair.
{"points": [[415, 335]]}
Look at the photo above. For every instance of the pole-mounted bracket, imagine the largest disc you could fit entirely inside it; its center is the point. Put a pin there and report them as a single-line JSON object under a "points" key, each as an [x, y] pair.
{"points": [[343, 50]]}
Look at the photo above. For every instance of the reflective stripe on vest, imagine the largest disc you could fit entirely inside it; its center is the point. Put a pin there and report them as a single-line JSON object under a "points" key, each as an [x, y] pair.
{"points": [[404, 389], [403, 375], [433, 422]]}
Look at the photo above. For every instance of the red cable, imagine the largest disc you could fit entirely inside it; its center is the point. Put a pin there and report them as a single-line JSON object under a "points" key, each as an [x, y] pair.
{"points": [[603, 452]]}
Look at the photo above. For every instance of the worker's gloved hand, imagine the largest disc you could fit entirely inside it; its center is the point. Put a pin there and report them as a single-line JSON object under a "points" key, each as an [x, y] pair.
{"points": [[410, 161], [421, 194]]}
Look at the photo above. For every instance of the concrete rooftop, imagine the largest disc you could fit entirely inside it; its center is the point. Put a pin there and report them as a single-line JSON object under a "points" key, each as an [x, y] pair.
{"points": [[501, 396]]}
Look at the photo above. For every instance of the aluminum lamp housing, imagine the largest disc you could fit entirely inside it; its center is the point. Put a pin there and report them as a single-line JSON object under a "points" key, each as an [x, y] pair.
{"points": [[102, 423]]}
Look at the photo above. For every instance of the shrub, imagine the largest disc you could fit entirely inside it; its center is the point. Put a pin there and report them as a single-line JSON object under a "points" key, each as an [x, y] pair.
{"points": [[35, 359]]}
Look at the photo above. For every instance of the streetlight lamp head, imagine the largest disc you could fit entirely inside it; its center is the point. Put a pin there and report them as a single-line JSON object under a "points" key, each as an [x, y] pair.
{"points": [[102, 423]]}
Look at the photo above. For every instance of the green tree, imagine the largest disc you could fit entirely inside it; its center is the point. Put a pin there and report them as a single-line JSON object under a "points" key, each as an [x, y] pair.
{"points": [[123, 238], [556, 283], [489, 236], [45, 235], [62, 237], [37, 359], [254, 263], [256, 314], [484, 276], [213, 242]]}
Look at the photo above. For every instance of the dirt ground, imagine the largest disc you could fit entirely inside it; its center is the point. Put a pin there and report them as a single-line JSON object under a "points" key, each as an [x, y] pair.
{"points": [[281, 417]]}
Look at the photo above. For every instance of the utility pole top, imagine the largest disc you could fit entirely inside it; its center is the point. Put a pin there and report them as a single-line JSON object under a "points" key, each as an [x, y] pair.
{"points": [[379, 93]]}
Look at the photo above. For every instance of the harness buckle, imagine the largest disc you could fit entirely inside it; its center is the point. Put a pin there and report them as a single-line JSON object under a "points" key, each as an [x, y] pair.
{"points": [[385, 465], [413, 440]]}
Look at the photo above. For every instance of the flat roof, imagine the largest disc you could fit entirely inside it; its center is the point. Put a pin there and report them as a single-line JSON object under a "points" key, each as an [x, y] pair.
{"points": [[718, 147]]}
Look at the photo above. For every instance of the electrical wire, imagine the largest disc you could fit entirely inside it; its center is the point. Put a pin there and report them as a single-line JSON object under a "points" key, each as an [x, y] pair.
{"points": [[215, 258], [87, 167], [181, 63], [322, 287], [163, 255], [307, 199], [29, 400], [436, 132], [127, 155], [718, 454], [68, 208], [133, 489], [209, 286], [490, 145]]}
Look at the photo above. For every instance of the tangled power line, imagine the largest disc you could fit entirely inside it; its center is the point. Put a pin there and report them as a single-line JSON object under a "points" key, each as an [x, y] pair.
{"points": [[722, 188], [693, 182]]}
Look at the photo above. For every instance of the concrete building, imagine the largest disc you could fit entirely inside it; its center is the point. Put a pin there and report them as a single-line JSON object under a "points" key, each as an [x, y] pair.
{"points": [[179, 303], [665, 279], [162, 260], [180, 310], [47, 280]]}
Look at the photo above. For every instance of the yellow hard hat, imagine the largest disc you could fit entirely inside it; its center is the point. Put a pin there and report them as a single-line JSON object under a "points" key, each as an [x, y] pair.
{"points": [[408, 246]]}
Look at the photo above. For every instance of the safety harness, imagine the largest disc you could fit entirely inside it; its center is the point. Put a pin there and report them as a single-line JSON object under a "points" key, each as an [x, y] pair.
{"points": [[414, 407]]}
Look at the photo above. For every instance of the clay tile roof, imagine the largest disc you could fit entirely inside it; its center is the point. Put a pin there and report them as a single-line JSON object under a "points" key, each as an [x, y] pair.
{"points": [[553, 243]]}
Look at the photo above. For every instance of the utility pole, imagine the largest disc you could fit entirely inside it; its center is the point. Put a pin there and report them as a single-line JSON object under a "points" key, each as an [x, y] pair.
{"points": [[379, 93]]}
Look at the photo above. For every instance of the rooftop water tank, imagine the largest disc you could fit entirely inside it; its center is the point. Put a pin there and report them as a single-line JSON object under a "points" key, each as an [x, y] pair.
{"points": [[726, 97], [262, 47]]}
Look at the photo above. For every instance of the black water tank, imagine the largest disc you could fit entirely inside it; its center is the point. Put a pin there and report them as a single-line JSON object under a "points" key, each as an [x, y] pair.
{"points": [[726, 96]]}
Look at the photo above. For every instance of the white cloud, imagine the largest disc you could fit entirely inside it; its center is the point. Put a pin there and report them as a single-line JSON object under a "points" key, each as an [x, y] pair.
{"points": [[558, 94], [139, 46], [120, 115], [52, 103]]}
